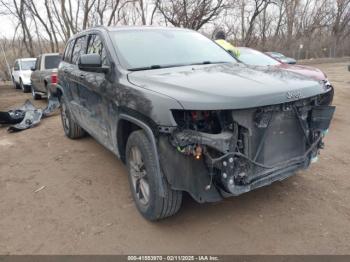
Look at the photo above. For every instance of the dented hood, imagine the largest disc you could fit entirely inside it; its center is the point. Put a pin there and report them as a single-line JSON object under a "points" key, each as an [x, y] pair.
{"points": [[312, 72], [227, 86]]}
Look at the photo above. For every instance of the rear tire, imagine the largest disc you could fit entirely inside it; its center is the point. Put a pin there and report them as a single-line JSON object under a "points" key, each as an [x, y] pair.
{"points": [[70, 127], [144, 182], [34, 94]]}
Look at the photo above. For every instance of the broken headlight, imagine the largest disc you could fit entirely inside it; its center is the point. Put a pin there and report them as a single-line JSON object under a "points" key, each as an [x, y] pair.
{"points": [[198, 120]]}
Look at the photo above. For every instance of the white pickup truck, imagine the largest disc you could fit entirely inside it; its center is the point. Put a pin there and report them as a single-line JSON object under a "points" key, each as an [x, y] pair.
{"points": [[21, 73]]}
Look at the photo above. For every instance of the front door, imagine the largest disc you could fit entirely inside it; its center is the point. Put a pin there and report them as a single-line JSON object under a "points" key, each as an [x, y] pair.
{"points": [[93, 94]]}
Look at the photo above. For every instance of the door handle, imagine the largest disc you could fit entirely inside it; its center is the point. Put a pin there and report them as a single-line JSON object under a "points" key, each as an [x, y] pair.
{"points": [[66, 70], [82, 76]]}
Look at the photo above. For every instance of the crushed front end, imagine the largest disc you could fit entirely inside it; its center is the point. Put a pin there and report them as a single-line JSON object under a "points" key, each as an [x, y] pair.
{"points": [[215, 154]]}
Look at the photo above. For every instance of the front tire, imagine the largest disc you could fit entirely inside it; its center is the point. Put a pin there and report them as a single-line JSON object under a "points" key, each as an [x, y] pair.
{"points": [[15, 85], [144, 182], [24, 88], [70, 127]]}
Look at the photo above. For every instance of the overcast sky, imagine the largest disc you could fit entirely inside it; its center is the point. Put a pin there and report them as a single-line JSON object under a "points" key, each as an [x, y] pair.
{"points": [[7, 26]]}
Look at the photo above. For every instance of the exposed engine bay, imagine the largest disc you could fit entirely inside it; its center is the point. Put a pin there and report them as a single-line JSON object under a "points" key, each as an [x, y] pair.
{"points": [[235, 151]]}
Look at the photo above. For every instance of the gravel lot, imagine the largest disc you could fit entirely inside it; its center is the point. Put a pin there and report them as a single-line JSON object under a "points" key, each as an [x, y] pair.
{"points": [[86, 206]]}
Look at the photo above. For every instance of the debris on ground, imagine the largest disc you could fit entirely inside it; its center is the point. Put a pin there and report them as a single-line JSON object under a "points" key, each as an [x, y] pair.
{"points": [[39, 189], [27, 115]]}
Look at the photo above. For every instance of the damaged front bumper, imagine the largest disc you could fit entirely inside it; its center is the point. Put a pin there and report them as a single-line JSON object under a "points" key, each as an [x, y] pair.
{"points": [[225, 153]]}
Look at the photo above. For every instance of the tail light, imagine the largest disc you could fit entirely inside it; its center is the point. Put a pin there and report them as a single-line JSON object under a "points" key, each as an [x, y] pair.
{"points": [[54, 78]]}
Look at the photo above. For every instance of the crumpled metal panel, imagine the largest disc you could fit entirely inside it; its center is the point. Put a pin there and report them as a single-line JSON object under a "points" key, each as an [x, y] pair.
{"points": [[31, 118], [27, 115]]}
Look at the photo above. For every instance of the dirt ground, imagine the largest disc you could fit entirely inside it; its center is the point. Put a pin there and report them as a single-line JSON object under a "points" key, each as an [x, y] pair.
{"points": [[86, 207]]}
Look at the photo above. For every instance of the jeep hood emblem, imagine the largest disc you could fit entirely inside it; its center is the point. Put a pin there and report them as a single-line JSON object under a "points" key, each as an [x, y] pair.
{"points": [[294, 95]]}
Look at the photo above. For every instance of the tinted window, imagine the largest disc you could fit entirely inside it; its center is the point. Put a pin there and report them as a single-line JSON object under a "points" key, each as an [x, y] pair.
{"points": [[79, 49], [68, 52], [96, 46], [253, 57], [52, 61], [27, 65], [145, 48]]}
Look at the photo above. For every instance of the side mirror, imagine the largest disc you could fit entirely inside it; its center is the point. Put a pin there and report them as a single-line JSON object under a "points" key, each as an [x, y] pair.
{"points": [[92, 63], [33, 68]]}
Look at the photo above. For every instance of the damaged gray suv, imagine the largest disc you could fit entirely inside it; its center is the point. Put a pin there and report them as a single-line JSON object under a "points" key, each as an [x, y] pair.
{"points": [[185, 116]]}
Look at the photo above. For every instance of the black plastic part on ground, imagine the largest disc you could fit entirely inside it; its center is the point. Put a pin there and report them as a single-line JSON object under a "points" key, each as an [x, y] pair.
{"points": [[11, 117]]}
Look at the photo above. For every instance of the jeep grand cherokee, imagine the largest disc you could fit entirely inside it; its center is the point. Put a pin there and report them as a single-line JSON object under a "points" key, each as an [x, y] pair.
{"points": [[184, 115]]}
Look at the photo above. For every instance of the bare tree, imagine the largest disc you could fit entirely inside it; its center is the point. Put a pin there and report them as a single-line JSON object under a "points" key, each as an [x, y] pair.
{"points": [[341, 25], [33, 9], [259, 6], [304, 28], [190, 13]]}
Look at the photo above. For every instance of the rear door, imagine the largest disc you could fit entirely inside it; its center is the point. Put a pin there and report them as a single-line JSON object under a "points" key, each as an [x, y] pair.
{"points": [[64, 70], [73, 78]]}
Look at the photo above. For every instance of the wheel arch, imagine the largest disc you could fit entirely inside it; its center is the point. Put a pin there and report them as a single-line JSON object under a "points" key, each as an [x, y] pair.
{"points": [[124, 128], [126, 125]]}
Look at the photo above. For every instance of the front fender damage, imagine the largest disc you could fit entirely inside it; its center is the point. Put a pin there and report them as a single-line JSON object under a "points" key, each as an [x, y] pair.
{"points": [[218, 154]]}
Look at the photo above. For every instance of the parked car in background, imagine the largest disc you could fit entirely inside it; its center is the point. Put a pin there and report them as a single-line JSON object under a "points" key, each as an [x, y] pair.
{"points": [[44, 71], [184, 115], [21, 73], [282, 58], [254, 57]]}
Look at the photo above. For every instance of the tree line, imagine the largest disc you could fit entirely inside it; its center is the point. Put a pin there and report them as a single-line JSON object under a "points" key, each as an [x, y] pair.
{"points": [[299, 28]]}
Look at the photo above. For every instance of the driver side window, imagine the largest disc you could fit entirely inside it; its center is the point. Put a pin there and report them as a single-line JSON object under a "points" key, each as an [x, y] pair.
{"points": [[79, 49], [96, 46]]}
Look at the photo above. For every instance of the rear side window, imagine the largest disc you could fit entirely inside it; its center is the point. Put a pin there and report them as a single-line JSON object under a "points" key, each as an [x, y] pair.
{"points": [[52, 61], [96, 46], [68, 52], [79, 49]]}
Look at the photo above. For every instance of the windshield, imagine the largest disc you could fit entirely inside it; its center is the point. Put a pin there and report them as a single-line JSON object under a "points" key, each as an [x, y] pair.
{"points": [[152, 49], [254, 57], [27, 65], [52, 61]]}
